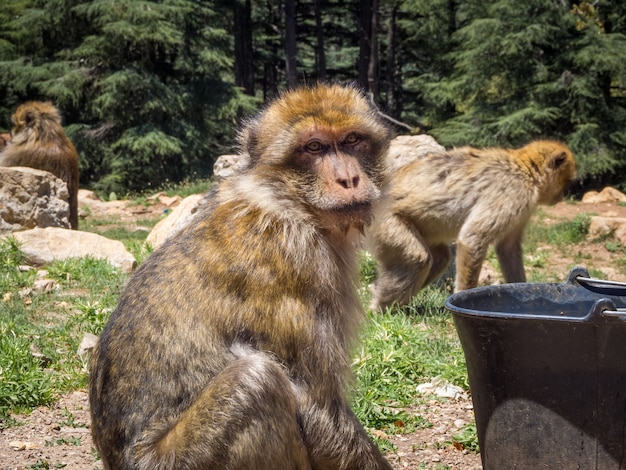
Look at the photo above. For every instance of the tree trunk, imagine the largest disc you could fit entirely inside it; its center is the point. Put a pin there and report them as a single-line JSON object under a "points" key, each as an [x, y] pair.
{"points": [[244, 65], [290, 43], [320, 55], [372, 67], [273, 48], [365, 46], [394, 86]]}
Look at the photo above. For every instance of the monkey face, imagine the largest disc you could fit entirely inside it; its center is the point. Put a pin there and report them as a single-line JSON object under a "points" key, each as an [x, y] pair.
{"points": [[335, 163], [331, 143]]}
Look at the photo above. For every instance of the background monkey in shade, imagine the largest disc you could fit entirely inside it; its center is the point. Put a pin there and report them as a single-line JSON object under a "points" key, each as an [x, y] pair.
{"points": [[38, 141], [472, 196], [5, 141], [230, 348]]}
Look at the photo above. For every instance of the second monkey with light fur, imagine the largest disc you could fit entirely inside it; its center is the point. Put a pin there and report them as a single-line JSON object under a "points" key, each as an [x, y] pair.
{"points": [[476, 197]]}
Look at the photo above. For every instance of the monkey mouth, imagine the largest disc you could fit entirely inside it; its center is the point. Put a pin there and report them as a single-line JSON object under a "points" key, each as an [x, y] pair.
{"points": [[354, 209], [355, 214]]}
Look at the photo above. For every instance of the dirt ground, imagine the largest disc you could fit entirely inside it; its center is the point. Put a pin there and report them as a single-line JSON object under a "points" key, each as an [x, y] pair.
{"points": [[58, 436]]}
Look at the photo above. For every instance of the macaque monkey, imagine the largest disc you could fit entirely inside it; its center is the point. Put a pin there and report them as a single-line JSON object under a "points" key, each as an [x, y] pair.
{"points": [[472, 196], [230, 347], [5, 141], [38, 141]]}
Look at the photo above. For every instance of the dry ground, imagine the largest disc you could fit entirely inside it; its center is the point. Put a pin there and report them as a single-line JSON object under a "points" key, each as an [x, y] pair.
{"points": [[58, 436]]}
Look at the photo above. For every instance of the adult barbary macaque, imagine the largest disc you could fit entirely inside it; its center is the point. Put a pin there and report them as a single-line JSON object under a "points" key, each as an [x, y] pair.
{"points": [[475, 197], [229, 348], [38, 141]]}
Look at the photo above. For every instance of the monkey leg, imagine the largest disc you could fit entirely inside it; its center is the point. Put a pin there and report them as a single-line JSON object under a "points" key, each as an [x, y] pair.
{"points": [[404, 263], [347, 447], [469, 261], [441, 255], [245, 419], [510, 257]]}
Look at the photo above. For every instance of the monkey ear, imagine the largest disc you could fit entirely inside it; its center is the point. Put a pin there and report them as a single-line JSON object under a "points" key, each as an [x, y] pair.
{"points": [[29, 119], [249, 139], [558, 160]]}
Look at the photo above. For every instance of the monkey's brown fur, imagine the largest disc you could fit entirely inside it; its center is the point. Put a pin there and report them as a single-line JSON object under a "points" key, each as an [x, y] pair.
{"points": [[229, 348], [38, 141], [476, 197], [5, 141]]}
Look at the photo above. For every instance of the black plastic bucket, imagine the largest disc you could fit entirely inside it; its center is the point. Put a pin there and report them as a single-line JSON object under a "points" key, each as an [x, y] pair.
{"points": [[547, 372]]}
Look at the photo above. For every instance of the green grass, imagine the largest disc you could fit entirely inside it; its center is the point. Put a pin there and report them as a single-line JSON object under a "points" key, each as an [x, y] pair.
{"points": [[561, 235], [402, 349], [40, 332]]}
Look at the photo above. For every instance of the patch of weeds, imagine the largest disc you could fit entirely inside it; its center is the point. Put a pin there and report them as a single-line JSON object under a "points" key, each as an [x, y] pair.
{"points": [[70, 421], [40, 465], [139, 249], [63, 441], [571, 231], [613, 246], [92, 317], [367, 268], [538, 259], [8, 422], [188, 187], [45, 465], [99, 277], [383, 445], [562, 234], [401, 349], [91, 224], [40, 334], [10, 253], [596, 273], [467, 438], [23, 382]]}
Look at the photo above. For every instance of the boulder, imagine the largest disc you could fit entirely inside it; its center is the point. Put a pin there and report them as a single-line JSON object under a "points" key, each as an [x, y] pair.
{"points": [[32, 198], [600, 226], [228, 165], [44, 245], [178, 218], [608, 194], [90, 204], [406, 148]]}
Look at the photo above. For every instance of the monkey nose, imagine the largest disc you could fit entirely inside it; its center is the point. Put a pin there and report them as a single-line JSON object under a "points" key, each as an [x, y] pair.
{"points": [[348, 182]]}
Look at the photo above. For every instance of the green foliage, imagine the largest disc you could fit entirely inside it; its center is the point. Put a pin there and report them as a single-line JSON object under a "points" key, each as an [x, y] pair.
{"points": [[402, 349], [468, 438], [147, 90], [508, 72], [51, 324], [143, 86], [559, 235], [23, 382]]}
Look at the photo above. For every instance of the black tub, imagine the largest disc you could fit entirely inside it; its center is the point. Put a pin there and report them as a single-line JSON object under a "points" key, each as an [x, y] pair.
{"points": [[547, 372]]}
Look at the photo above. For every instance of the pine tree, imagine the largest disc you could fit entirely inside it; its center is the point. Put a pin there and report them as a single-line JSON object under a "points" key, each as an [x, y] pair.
{"points": [[535, 69], [145, 86]]}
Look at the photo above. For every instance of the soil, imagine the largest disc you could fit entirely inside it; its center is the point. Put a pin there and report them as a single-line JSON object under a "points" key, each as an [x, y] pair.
{"points": [[58, 436]]}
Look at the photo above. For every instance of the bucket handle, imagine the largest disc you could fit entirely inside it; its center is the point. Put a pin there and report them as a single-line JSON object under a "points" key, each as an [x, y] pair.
{"points": [[602, 286], [617, 313]]}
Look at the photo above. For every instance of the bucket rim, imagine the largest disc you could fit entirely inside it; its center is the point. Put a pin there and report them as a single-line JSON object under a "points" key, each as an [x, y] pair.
{"points": [[598, 304]]}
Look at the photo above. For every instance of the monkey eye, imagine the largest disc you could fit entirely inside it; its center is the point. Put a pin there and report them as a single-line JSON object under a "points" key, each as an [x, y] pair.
{"points": [[352, 139], [314, 146]]}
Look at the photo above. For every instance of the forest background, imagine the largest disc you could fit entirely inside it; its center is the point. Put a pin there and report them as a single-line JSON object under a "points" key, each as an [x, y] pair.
{"points": [[152, 92]]}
